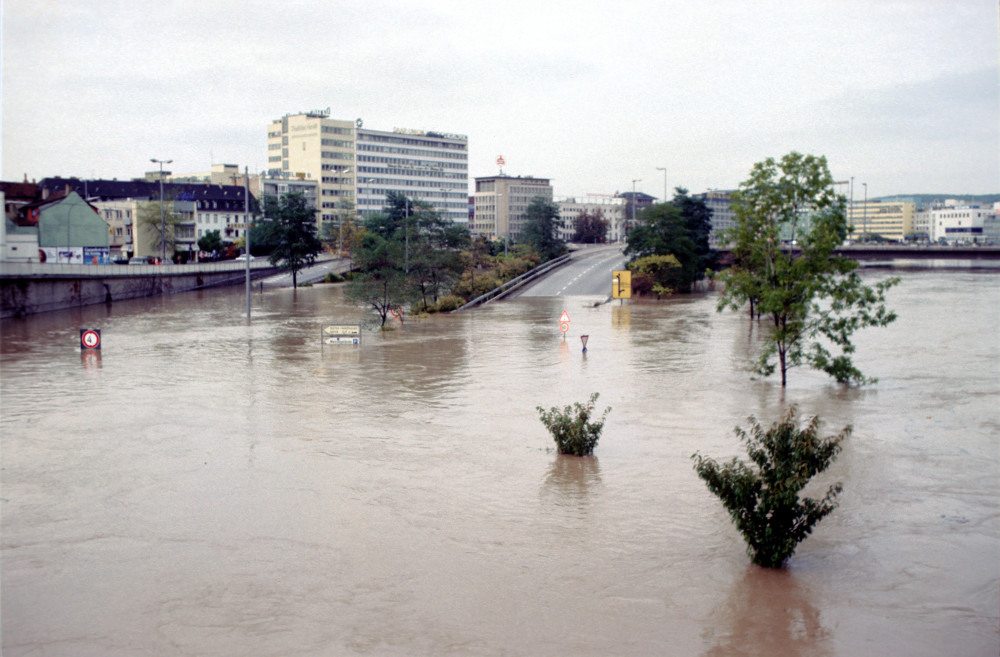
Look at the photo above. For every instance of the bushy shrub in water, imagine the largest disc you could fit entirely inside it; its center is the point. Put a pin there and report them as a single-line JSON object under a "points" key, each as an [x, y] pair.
{"points": [[572, 428], [763, 499]]}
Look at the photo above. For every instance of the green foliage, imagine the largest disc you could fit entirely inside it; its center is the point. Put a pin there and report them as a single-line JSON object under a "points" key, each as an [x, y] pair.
{"points": [[679, 229], [590, 228], [659, 274], [572, 428], [265, 237], [334, 277], [541, 229], [297, 244], [763, 499], [812, 298], [210, 241]]}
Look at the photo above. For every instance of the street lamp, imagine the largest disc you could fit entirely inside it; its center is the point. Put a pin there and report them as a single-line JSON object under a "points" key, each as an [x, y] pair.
{"points": [[664, 170], [864, 234], [163, 234], [634, 181]]}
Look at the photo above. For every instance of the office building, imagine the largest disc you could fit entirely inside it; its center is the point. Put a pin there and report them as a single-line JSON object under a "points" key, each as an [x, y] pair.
{"points": [[502, 204], [890, 220], [424, 165], [355, 167]]}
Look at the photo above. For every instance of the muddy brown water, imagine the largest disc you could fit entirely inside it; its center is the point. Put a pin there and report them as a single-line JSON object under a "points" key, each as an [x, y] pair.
{"points": [[205, 486]]}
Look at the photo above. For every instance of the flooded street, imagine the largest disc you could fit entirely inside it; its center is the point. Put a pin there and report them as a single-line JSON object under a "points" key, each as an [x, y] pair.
{"points": [[208, 486]]}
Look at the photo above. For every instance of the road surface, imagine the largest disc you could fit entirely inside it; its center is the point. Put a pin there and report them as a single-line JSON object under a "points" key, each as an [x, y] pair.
{"points": [[587, 274]]}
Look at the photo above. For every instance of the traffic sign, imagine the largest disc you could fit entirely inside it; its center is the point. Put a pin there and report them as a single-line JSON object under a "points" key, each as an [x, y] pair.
{"points": [[563, 326], [621, 284], [583, 339], [342, 334], [90, 339], [564, 317]]}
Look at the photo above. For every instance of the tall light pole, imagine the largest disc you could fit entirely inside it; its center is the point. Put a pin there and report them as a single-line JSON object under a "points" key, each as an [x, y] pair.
{"points": [[864, 234], [634, 181], [664, 170], [163, 234]]}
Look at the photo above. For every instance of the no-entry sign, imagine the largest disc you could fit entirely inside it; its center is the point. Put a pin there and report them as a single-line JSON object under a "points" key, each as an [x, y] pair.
{"points": [[90, 339]]}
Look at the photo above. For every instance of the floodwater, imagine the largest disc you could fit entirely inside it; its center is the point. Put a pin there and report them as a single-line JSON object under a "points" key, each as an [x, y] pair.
{"points": [[204, 486]]}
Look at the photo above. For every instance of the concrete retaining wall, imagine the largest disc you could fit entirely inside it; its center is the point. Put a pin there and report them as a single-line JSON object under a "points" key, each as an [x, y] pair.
{"points": [[26, 289]]}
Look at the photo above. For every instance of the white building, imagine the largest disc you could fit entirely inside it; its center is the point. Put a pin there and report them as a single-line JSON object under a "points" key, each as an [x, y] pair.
{"points": [[356, 167], [424, 165], [959, 224], [611, 208]]}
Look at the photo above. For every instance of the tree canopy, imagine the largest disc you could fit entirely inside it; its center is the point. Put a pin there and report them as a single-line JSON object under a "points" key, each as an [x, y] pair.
{"points": [[590, 227], [679, 229], [406, 253], [295, 222], [812, 298], [541, 229]]}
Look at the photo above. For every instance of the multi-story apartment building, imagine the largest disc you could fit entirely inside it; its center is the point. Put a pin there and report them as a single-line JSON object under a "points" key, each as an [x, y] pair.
{"points": [[423, 165], [892, 220], [610, 208], [356, 167], [502, 203]]}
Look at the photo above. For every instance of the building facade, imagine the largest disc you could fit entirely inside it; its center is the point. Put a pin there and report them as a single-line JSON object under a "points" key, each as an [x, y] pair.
{"points": [[355, 167], [891, 220], [719, 202], [963, 224], [424, 165], [315, 147], [610, 208], [501, 204]]}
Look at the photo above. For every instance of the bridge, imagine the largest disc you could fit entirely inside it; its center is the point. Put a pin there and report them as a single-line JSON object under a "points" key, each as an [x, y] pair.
{"points": [[897, 252]]}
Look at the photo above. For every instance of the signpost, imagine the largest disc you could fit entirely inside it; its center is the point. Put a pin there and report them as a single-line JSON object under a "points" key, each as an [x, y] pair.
{"points": [[342, 334], [564, 323]]}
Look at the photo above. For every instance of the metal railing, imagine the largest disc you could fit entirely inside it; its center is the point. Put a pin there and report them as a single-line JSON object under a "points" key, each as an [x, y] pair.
{"points": [[513, 284]]}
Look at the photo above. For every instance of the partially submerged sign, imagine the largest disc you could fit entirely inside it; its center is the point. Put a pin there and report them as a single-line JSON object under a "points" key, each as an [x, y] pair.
{"points": [[621, 284], [342, 334]]}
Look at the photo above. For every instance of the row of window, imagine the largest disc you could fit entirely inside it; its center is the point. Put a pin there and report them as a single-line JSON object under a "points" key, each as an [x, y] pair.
{"points": [[413, 141], [415, 152]]}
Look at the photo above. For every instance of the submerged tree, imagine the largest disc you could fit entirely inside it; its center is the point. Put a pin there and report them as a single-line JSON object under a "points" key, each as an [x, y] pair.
{"points": [[789, 222], [296, 246], [571, 427], [764, 499]]}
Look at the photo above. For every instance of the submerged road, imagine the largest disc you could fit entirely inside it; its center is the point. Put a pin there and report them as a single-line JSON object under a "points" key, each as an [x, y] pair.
{"points": [[587, 274]]}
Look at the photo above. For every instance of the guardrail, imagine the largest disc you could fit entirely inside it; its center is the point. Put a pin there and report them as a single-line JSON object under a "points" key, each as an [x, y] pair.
{"points": [[500, 292]]}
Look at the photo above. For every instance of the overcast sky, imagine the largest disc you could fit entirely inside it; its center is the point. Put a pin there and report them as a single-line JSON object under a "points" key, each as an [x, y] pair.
{"points": [[902, 95]]}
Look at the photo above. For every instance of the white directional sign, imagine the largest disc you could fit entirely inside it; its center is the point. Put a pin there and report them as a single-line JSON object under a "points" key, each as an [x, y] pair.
{"points": [[342, 334]]}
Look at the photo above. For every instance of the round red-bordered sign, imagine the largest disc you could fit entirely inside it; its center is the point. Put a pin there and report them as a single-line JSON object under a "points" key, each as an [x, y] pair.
{"points": [[90, 339], [563, 326]]}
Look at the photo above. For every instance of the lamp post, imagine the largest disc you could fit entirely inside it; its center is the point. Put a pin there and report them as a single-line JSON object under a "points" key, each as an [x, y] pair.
{"points": [[634, 181], [664, 170], [864, 234], [340, 219], [163, 234]]}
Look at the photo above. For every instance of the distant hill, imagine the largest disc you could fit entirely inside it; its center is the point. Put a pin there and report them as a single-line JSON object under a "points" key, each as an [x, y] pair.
{"points": [[927, 199]]}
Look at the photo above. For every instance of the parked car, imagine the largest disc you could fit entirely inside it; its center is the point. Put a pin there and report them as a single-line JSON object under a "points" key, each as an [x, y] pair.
{"points": [[244, 258], [139, 260]]}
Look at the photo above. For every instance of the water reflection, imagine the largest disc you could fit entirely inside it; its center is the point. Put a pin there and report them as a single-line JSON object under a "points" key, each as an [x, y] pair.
{"points": [[572, 479], [768, 613]]}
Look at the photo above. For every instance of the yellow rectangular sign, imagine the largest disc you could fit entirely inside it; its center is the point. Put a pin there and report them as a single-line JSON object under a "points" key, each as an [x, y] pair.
{"points": [[621, 284]]}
